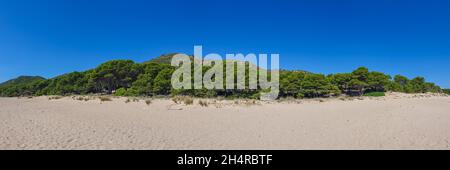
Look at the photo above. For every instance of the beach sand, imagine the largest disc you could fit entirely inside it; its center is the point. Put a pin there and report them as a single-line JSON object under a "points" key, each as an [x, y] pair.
{"points": [[397, 121]]}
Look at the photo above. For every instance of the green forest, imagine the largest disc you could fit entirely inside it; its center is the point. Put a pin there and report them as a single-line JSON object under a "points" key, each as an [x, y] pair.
{"points": [[153, 78]]}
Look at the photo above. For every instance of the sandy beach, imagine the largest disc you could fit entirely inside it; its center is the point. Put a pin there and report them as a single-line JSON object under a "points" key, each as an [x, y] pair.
{"points": [[397, 121]]}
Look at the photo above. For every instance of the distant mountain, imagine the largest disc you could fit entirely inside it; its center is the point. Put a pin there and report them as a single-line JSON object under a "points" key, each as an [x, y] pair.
{"points": [[21, 80], [446, 91]]}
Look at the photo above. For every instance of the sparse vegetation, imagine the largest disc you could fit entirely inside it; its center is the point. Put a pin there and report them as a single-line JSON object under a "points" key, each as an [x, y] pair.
{"points": [[82, 98], [203, 103], [246, 102], [148, 101], [54, 97], [249, 102], [153, 78], [446, 91], [177, 99]]}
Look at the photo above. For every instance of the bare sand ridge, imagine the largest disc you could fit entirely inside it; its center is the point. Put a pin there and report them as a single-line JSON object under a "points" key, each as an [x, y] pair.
{"points": [[398, 121]]}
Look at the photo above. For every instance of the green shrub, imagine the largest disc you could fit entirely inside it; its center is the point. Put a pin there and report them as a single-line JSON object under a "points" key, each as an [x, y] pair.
{"points": [[375, 94]]}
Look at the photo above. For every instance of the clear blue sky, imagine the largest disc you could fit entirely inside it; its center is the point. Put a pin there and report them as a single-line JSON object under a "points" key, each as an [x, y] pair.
{"points": [[51, 37]]}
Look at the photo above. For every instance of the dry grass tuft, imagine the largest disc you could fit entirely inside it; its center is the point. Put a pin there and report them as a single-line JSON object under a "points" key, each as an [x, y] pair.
{"points": [[177, 99], [81, 98], [245, 102], [250, 102]]}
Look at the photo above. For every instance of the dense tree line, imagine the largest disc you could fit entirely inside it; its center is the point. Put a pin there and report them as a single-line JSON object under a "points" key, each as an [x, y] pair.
{"points": [[20, 86], [126, 78], [447, 91]]}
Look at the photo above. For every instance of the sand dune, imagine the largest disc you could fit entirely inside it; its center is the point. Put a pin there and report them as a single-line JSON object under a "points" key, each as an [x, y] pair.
{"points": [[398, 121]]}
